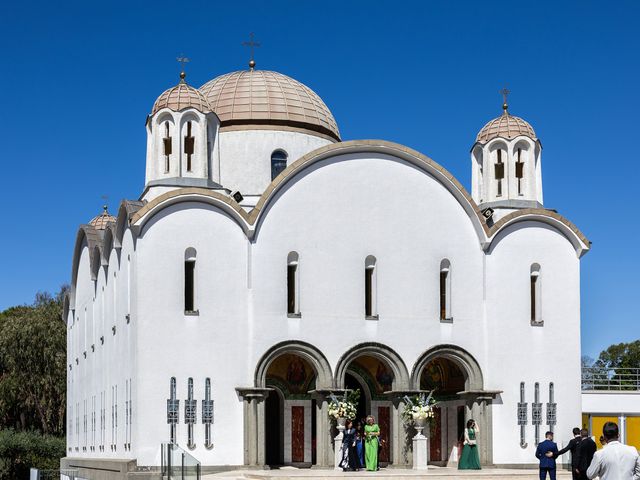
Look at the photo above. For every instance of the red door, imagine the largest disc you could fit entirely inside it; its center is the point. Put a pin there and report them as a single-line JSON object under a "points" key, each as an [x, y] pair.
{"points": [[435, 442], [384, 422], [297, 434]]}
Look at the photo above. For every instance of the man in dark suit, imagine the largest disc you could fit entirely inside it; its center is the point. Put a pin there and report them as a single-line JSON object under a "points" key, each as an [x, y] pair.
{"points": [[546, 453], [572, 447], [586, 449]]}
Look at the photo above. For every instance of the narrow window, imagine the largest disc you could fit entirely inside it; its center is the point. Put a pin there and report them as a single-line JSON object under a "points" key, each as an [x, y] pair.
{"points": [[278, 163], [535, 300], [189, 143], [370, 280], [173, 405], [190, 408], [536, 412], [445, 291], [499, 167], [519, 171], [293, 287], [166, 141], [207, 413], [190, 281], [522, 417]]}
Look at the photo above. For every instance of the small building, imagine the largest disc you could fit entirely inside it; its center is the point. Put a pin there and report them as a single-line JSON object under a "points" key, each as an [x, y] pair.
{"points": [[268, 264]]}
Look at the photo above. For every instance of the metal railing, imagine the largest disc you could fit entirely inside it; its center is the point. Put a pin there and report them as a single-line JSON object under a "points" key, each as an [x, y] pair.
{"points": [[63, 474], [177, 464], [615, 379]]}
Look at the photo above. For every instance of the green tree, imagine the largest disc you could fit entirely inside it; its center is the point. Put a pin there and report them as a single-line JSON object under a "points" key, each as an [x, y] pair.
{"points": [[621, 362], [32, 366]]}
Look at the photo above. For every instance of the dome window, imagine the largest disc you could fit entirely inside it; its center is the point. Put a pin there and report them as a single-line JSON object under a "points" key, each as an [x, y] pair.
{"points": [[278, 163], [519, 170], [499, 169], [166, 141], [189, 144]]}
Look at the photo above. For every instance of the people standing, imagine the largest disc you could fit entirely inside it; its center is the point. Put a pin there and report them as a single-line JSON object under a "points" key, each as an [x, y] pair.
{"points": [[586, 449], [470, 458], [371, 434], [546, 453], [349, 456], [615, 461], [572, 447], [360, 444]]}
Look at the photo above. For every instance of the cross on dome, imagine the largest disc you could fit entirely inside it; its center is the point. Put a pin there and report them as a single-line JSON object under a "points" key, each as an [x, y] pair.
{"points": [[251, 44], [505, 93]]}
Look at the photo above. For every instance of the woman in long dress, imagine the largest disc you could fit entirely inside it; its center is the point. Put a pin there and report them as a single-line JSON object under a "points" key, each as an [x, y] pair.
{"points": [[360, 444], [349, 455], [371, 434], [470, 459]]}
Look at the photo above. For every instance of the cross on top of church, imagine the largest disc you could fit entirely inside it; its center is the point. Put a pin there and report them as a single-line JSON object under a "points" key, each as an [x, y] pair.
{"points": [[105, 207], [182, 60], [505, 93], [251, 44]]}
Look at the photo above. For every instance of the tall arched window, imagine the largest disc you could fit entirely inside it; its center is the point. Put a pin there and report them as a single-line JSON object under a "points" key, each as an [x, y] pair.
{"points": [[535, 290], [190, 281], [293, 284], [499, 170], [445, 291], [189, 145], [166, 143], [370, 288], [520, 170], [278, 162]]}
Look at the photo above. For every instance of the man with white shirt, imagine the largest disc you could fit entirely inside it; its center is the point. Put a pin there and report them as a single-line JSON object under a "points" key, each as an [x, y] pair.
{"points": [[615, 461]]}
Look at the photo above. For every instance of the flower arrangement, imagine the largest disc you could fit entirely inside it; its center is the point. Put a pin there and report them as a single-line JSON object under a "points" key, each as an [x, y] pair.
{"points": [[344, 407], [419, 407]]}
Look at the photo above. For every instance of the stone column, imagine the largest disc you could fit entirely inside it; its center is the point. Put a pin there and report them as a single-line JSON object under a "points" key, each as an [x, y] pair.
{"points": [[478, 407], [325, 452], [253, 412]]}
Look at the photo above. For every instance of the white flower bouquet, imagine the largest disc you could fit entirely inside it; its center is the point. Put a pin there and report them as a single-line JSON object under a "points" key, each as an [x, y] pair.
{"points": [[344, 407], [419, 407]]}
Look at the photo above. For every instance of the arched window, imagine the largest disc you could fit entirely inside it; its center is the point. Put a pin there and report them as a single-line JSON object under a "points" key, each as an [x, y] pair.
{"points": [[499, 171], [189, 145], [445, 291], [370, 288], [535, 300], [190, 281], [520, 170], [166, 142], [278, 162], [293, 284]]}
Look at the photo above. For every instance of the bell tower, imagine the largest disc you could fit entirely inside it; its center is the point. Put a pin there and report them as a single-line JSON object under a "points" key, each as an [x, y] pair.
{"points": [[506, 164], [182, 130]]}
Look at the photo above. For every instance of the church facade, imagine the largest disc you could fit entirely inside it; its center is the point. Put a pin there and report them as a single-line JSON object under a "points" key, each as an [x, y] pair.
{"points": [[267, 265]]}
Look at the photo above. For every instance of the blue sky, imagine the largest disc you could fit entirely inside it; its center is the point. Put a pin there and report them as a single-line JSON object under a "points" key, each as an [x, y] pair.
{"points": [[78, 79]]}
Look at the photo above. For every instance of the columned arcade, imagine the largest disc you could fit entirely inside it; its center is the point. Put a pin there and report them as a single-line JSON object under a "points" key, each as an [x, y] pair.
{"points": [[285, 411]]}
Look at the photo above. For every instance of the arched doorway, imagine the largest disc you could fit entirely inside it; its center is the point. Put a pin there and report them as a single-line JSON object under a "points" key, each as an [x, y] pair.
{"points": [[445, 379], [456, 379], [376, 371], [289, 409], [283, 411]]}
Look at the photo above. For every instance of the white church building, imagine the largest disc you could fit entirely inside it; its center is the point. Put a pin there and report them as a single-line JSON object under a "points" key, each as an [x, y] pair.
{"points": [[268, 264]]}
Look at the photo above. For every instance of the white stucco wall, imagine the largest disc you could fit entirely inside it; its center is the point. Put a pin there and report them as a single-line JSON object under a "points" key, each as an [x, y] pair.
{"points": [[611, 402]]}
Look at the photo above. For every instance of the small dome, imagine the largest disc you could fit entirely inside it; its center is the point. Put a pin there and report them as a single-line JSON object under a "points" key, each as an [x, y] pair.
{"points": [[505, 126], [262, 97], [181, 96], [101, 221]]}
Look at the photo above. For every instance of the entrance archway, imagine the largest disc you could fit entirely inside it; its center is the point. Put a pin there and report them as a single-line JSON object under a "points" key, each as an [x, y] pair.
{"points": [[376, 370], [456, 380], [287, 428]]}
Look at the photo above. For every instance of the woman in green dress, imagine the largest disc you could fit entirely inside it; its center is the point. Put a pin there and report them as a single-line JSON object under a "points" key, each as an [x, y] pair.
{"points": [[470, 460], [371, 434]]}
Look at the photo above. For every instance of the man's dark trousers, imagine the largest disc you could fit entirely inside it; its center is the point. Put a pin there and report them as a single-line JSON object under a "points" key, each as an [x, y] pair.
{"points": [[543, 473]]}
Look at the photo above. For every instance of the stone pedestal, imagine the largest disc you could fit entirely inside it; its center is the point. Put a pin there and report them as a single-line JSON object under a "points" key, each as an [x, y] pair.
{"points": [[338, 446], [420, 452]]}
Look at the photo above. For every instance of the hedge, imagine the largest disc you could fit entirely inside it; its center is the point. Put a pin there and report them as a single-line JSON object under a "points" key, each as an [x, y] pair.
{"points": [[20, 451]]}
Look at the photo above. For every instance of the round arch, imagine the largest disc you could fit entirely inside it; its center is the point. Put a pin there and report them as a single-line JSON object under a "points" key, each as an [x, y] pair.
{"points": [[474, 379], [305, 350], [377, 350]]}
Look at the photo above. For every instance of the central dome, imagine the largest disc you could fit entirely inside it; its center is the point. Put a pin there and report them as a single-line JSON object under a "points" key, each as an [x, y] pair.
{"points": [[262, 97]]}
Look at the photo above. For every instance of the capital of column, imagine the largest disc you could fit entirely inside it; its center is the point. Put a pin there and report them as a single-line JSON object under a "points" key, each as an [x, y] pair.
{"points": [[324, 395], [397, 396], [253, 393]]}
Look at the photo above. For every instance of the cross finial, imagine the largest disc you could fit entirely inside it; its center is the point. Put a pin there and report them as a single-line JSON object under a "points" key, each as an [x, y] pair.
{"points": [[505, 93], [182, 60], [105, 207], [251, 44]]}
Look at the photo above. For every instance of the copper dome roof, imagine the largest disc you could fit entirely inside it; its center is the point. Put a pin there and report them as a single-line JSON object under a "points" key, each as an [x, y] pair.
{"points": [[101, 221], [181, 96], [505, 126], [262, 97]]}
